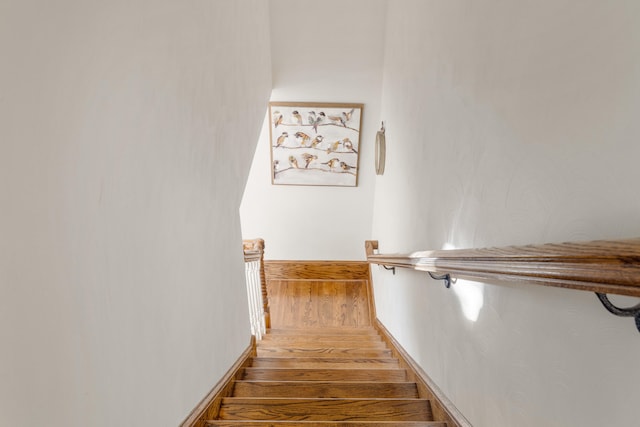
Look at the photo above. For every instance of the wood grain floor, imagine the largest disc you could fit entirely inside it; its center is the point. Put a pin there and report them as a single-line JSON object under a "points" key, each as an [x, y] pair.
{"points": [[319, 303]]}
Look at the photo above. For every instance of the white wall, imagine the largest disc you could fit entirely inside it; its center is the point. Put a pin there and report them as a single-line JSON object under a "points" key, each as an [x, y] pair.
{"points": [[328, 51], [512, 123], [126, 134]]}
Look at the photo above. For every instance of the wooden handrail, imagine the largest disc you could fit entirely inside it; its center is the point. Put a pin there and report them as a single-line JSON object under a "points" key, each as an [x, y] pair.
{"points": [[607, 266], [602, 266]]}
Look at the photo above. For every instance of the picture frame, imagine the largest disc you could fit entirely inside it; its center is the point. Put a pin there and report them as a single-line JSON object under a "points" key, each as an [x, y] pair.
{"points": [[315, 144]]}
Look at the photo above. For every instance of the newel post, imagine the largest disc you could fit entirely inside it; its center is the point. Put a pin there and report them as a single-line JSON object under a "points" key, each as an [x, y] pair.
{"points": [[257, 292], [370, 246]]}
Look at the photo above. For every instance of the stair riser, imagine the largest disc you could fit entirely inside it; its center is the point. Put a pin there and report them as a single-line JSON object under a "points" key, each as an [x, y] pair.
{"points": [[325, 409], [361, 333], [316, 343], [269, 337], [317, 389], [322, 352], [244, 423], [273, 374], [345, 363]]}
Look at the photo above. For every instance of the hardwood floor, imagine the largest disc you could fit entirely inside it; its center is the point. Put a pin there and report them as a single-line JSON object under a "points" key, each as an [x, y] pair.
{"points": [[319, 304]]}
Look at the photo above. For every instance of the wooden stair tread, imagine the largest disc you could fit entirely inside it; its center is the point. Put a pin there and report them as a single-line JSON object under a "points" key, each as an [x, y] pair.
{"points": [[323, 362], [326, 389], [238, 408], [320, 343], [336, 374], [283, 423], [282, 338], [323, 352], [336, 330]]}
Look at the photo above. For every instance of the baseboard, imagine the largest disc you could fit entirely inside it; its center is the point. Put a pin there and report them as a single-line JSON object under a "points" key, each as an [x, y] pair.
{"points": [[208, 407], [316, 270], [443, 409]]}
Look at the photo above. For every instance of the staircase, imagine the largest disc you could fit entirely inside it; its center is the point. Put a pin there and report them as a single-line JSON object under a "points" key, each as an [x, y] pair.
{"points": [[322, 362], [340, 376]]}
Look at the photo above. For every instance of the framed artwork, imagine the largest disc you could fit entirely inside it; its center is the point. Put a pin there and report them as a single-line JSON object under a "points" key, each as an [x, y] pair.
{"points": [[315, 143]]}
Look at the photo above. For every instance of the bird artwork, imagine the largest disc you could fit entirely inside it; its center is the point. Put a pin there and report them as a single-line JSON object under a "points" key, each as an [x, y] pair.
{"points": [[308, 158], [345, 167], [337, 120], [302, 138], [293, 162], [332, 163], [297, 118], [317, 141], [346, 116], [277, 118], [333, 147], [348, 145], [316, 119], [281, 139]]}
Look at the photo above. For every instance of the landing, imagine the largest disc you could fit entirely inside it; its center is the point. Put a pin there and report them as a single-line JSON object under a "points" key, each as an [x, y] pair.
{"points": [[319, 294], [318, 304]]}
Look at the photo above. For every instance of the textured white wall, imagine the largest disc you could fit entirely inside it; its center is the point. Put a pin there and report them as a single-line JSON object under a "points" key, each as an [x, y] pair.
{"points": [[321, 52], [126, 135], [512, 123]]}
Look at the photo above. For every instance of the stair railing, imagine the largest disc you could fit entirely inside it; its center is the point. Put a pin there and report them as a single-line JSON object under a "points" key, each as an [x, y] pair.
{"points": [[256, 286], [602, 266]]}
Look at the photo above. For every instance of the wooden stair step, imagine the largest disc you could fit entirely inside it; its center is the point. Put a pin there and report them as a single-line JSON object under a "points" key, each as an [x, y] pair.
{"points": [[251, 423], [323, 362], [314, 338], [338, 330], [280, 374], [243, 408], [325, 389], [322, 352], [322, 342]]}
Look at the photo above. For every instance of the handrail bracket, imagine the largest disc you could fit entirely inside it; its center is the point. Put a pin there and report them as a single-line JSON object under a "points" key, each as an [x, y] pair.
{"points": [[444, 277], [391, 269], [619, 311]]}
